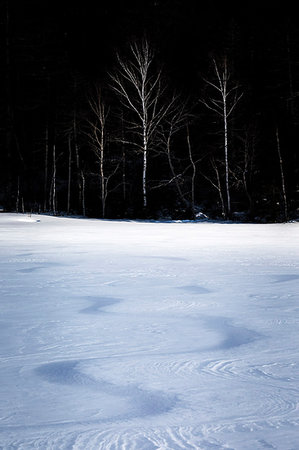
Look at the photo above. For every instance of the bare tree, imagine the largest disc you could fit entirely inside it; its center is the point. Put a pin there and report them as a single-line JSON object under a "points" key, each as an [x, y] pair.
{"points": [[223, 102], [97, 134], [139, 85]]}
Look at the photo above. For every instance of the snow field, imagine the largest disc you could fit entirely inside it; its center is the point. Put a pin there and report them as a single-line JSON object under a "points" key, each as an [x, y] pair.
{"points": [[147, 335]]}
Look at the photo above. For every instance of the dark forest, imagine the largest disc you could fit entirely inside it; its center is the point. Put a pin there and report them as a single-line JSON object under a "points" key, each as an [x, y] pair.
{"points": [[154, 109]]}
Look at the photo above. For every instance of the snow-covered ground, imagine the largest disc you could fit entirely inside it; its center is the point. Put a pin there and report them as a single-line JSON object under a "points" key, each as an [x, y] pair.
{"points": [[138, 335]]}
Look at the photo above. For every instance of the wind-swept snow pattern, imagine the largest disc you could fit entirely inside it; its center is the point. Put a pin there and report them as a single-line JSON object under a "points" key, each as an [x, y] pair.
{"points": [[147, 335]]}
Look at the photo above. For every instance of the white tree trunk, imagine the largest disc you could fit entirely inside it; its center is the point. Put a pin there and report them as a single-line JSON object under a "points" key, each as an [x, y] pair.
{"points": [[193, 171], [18, 196], [54, 181], [228, 206], [46, 166], [83, 193], [103, 185], [144, 178], [282, 177]]}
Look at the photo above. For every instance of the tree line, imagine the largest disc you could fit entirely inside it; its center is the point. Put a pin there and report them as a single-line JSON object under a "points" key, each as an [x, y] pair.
{"points": [[132, 140]]}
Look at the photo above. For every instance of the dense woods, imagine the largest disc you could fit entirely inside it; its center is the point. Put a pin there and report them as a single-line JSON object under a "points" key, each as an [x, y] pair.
{"points": [[152, 109]]}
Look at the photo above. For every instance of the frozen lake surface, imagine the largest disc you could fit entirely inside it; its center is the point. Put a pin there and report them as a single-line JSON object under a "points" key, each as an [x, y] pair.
{"points": [[147, 335]]}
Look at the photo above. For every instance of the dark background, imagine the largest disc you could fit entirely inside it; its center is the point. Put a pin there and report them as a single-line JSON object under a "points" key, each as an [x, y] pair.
{"points": [[52, 53]]}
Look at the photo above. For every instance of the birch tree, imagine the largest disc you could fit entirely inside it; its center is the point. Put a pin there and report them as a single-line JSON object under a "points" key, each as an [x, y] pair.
{"points": [[138, 82], [223, 99], [97, 134]]}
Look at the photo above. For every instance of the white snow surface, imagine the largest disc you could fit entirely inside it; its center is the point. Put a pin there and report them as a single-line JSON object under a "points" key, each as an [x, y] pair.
{"points": [[148, 335]]}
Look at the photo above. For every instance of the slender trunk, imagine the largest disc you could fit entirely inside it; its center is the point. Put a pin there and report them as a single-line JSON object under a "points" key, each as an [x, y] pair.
{"points": [[54, 181], [83, 193], [193, 170], [51, 194], [144, 172], [177, 184], [282, 177], [76, 143], [144, 175], [228, 206], [247, 191], [69, 176], [145, 149], [123, 158], [244, 176], [219, 189], [102, 175], [46, 166], [124, 180], [76, 147], [18, 196], [145, 139]]}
